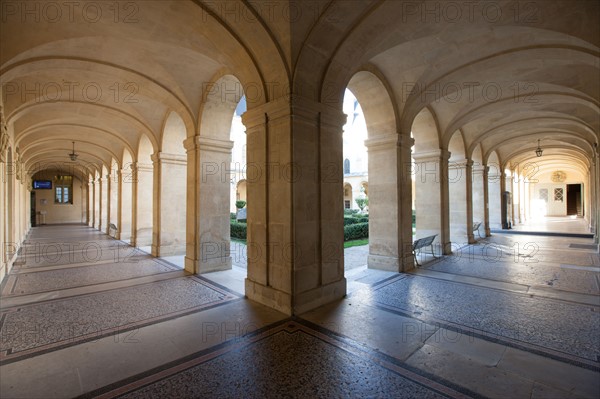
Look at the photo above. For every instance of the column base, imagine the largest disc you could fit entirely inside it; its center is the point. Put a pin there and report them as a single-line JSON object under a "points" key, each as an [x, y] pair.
{"points": [[168, 250], [304, 302], [197, 266], [269, 296], [387, 263]]}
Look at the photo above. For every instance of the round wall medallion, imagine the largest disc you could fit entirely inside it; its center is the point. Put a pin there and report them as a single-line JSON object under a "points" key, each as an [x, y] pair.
{"points": [[559, 176]]}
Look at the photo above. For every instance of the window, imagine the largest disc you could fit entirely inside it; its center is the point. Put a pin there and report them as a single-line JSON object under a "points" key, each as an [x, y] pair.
{"points": [[347, 204], [558, 194], [63, 190], [346, 166], [544, 194]]}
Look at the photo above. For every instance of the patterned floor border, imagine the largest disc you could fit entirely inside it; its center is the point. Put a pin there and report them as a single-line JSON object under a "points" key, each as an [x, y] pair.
{"points": [[487, 336], [12, 278], [292, 325], [7, 356]]}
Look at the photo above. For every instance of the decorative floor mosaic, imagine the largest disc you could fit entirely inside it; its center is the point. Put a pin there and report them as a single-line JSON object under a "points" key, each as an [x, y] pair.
{"points": [[77, 252], [290, 360], [533, 274], [60, 279], [543, 323], [34, 329]]}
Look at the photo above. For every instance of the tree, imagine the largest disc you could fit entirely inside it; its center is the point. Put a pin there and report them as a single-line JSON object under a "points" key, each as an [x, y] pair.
{"points": [[240, 204], [362, 202]]}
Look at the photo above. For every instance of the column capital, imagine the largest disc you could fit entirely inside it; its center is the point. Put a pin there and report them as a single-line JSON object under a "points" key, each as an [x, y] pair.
{"points": [[384, 142], [433, 155], [297, 106], [163, 157]]}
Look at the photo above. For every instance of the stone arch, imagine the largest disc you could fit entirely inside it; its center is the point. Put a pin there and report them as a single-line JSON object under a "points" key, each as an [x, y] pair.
{"points": [[169, 210], [429, 161], [348, 200], [389, 194], [114, 192], [219, 102]]}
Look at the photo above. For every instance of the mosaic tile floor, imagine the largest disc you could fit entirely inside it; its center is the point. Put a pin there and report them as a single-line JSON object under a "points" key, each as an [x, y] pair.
{"points": [[292, 361], [408, 336], [538, 321], [50, 280], [33, 329]]}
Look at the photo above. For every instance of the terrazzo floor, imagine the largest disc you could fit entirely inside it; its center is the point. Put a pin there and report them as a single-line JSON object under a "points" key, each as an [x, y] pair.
{"points": [[474, 324]]}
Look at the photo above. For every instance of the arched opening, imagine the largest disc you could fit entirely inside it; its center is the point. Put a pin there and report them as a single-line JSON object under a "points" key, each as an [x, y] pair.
{"points": [[96, 193], [113, 190], [143, 197], [223, 231], [10, 204], [494, 191], [104, 199], [170, 167], [478, 195], [347, 196], [386, 193], [240, 192], [457, 191], [428, 159]]}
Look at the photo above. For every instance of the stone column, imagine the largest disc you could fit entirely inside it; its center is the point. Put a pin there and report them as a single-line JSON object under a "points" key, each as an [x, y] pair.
{"points": [[458, 180], [596, 196], [479, 197], [428, 195], [93, 203], [144, 205], [469, 195], [108, 197], [101, 201], [118, 182], [486, 200], [294, 189], [169, 222], [495, 187], [134, 203], [389, 194]]}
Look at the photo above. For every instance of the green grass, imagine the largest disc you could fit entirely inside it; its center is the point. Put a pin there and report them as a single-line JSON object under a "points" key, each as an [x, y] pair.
{"points": [[347, 244], [356, 243]]}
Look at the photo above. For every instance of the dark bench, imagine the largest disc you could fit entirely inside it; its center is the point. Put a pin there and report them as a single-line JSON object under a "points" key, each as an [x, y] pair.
{"points": [[421, 243], [476, 226]]}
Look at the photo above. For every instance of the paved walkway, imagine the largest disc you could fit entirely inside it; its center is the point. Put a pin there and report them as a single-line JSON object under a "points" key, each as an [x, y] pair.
{"points": [[563, 224], [510, 317]]}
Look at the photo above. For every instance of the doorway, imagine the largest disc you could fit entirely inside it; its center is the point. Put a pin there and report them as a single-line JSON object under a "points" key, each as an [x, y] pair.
{"points": [[32, 211], [574, 204]]}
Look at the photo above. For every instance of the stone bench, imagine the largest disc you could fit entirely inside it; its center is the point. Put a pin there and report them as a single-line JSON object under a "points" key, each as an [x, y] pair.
{"points": [[476, 226], [421, 243]]}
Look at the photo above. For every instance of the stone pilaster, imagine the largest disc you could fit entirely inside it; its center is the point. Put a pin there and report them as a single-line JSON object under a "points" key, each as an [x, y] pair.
{"points": [[459, 180], [144, 204], [390, 202], [430, 218], [168, 228], [295, 224]]}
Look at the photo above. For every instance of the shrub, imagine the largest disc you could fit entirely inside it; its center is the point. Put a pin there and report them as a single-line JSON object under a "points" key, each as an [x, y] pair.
{"points": [[348, 220], [356, 231], [240, 204], [232, 216], [238, 230], [350, 211]]}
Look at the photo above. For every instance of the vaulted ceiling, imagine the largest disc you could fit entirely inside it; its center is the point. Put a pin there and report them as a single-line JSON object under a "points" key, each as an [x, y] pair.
{"points": [[499, 80]]}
